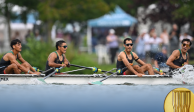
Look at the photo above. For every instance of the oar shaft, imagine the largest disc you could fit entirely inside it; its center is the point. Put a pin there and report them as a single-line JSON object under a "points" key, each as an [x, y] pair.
{"points": [[2, 66], [90, 68], [111, 75], [51, 73], [81, 66], [48, 70]]}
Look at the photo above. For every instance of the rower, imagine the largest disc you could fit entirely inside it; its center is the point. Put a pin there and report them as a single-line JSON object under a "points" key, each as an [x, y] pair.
{"points": [[126, 57], [57, 58], [10, 63], [180, 57]]}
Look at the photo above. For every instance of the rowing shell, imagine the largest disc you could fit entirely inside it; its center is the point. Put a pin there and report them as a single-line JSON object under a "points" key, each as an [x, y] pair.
{"points": [[85, 79]]}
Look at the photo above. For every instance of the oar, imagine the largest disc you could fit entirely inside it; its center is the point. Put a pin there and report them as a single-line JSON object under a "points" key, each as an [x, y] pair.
{"points": [[100, 82], [56, 70], [43, 72], [2, 66], [94, 69]]}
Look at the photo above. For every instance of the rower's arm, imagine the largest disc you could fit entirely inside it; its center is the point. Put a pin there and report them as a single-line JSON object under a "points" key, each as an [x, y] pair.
{"points": [[21, 59], [51, 60], [127, 64], [186, 63], [66, 62], [138, 60], [13, 60], [170, 60]]}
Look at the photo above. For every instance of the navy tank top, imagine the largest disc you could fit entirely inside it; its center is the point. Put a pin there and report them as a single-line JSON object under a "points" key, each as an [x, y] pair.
{"points": [[121, 65], [56, 61], [180, 61], [6, 63]]}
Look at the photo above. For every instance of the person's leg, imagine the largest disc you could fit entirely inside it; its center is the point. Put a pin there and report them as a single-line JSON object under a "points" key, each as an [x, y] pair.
{"points": [[112, 55], [149, 68], [136, 68], [28, 66], [11, 69]]}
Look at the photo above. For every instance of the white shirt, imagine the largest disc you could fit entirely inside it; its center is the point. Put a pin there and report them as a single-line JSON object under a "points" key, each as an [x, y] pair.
{"points": [[185, 37], [147, 42]]}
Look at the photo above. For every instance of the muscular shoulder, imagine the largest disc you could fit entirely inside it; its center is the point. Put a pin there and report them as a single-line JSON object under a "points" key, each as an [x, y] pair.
{"points": [[176, 53], [135, 55]]}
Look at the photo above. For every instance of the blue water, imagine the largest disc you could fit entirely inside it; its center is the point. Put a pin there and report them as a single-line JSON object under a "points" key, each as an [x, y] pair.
{"points": [[84, 98]]}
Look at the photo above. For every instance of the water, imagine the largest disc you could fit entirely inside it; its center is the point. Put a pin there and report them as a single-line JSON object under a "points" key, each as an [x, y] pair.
{"points": [[84, 98]]}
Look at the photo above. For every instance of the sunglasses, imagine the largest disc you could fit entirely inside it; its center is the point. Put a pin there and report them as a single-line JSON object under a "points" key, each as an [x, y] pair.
{"points": [[187, 45], [64, 46], [129, 44]]}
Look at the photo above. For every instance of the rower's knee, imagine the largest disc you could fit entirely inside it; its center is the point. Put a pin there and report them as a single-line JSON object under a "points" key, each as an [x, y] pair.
{"points": [[14, 66], [26, 64], [148, 66], [136, 67]]}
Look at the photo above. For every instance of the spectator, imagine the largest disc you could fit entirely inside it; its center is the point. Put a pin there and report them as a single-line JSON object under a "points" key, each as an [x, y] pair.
{"points": [[140, 46], [165, 38], [161, 58], [185, 36], [173, 41], [113, 45], [155, 44], [147, 48], [16, 36], [29, 35], [37, 35]]}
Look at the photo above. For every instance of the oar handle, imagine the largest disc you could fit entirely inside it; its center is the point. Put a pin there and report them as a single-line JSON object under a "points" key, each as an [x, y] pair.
{"points": [[94, 69], [56, 70]]}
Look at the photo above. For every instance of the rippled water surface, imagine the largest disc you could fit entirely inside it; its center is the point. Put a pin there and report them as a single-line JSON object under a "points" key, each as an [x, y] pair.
{"points": [[84, 98]]}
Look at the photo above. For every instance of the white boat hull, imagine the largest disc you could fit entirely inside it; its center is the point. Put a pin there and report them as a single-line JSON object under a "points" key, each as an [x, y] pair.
{"points": [[85, 79]]}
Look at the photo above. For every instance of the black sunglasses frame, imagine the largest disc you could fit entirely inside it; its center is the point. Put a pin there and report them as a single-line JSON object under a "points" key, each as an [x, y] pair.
{"points": [[64, 46], [129, 44]]}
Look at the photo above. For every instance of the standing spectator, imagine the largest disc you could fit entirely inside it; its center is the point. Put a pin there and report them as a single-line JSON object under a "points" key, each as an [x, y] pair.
{"points": [[140, 46], [37, 35], [173, 41], [161, 58], [113, 45], [175, 28], [165, 38], [17, 36], [75, 36], [147, 48], [29, 35], [155, 44]]}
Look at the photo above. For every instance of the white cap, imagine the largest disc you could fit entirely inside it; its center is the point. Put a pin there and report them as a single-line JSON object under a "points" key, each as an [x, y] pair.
{"points": [[112, 31]]}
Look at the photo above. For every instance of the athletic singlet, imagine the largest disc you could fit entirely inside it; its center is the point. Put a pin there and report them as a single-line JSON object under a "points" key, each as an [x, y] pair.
{"points": [[121, 65], [5, 63], [56, 61], [180, 61]]}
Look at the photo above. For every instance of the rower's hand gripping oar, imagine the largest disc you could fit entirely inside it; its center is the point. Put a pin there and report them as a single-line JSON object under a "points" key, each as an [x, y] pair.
{"points": [[56, 70], [100, 82], [94, 69]]}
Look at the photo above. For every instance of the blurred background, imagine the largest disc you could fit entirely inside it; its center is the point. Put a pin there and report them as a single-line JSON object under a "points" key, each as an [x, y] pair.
{"points": [[95, 29]]}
